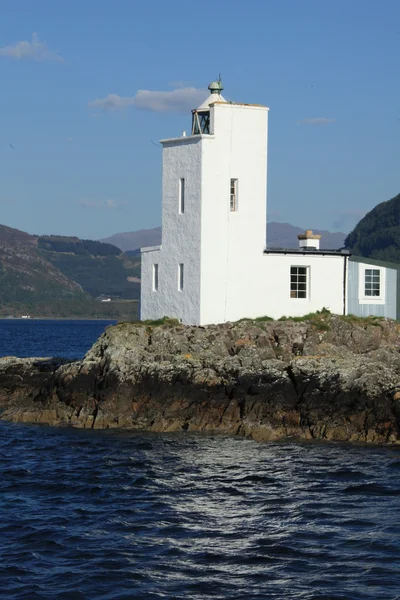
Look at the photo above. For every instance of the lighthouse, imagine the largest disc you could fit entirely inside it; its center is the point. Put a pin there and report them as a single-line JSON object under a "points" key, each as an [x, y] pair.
{"points": [[213, 265], [214, 188]]}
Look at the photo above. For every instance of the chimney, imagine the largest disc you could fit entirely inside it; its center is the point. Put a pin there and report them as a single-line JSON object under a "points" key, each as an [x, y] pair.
{"points": [[309, 240]]}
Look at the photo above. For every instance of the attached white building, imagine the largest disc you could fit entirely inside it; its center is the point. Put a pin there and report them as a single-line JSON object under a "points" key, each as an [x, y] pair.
{"points": [[213, 265]]}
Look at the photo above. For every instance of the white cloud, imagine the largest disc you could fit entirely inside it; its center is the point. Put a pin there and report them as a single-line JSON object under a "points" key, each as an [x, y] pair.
{"points": [[108, 204], [316, 121], [112, 102], [34, 50], [178, 100]]}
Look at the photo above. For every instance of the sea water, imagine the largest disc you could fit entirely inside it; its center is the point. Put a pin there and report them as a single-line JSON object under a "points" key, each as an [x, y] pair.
{"points": [[123, 515]]}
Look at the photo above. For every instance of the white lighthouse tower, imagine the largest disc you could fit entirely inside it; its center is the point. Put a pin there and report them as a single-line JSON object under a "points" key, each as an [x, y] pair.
{"points": [[213, 217]]}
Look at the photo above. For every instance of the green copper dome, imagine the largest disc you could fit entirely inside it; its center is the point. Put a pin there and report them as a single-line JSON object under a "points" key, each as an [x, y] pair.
{"points": [[216, 87]]}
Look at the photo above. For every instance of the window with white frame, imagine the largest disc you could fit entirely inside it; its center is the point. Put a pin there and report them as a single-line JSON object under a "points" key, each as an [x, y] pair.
{"points": [[155, 277], [181, 196], [234, 195], [298, 282], [372, 282], [180, 277]]}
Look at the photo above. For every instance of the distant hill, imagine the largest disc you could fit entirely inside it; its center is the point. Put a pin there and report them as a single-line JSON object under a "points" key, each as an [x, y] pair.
{"points": [[377, 235], [132, 240], [283, 235], [279, 235], [100, 269], [61, 277]]}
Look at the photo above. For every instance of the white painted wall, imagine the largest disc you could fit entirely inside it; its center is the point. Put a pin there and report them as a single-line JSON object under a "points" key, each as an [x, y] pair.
{"points": [[180, 237], [325, 287], [265, 288], [232, 241], [309, 243]]}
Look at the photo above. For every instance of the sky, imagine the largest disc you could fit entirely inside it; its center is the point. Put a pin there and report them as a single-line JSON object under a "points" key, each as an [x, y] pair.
{"points": [[88, 88]]}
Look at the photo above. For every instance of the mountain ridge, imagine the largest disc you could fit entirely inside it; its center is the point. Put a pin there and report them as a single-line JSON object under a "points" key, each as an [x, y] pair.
{"points": [[56, 276], [377, 234], [279, 235]]}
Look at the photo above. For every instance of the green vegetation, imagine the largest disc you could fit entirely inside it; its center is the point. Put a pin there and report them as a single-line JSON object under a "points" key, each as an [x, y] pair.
{"points": [[309, 316], [262, 319], [100, 275], [377, 235], [318, 319], [73, 245], [163, 321], [153, 322], [55, 276], [100, 269], [370, 320], [38, 295]]}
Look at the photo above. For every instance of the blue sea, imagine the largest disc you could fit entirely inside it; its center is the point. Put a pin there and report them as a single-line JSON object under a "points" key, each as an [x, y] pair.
{"points": [[44, 337], [122, 515]]}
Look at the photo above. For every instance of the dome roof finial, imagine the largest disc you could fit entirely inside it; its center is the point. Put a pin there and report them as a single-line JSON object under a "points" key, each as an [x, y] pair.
{"points": [[216, 87]]}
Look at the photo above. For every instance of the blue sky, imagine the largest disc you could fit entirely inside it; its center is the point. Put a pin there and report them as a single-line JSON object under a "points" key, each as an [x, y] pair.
{"points": [[79, 152]]}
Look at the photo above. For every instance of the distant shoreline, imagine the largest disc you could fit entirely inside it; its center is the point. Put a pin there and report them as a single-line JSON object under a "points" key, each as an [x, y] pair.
{"points": [[63, 319]]}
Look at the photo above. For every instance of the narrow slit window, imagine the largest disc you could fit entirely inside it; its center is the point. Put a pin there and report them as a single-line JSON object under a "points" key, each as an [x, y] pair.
{"points": [[234, 195], [180, 277], [181, 195], [298, 282], [372, 282], [155, 277]]}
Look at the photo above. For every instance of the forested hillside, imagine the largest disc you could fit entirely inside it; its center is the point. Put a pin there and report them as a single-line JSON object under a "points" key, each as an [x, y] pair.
{"points": [[377, 235], [74, 245], [101, 269], [52, 276]]}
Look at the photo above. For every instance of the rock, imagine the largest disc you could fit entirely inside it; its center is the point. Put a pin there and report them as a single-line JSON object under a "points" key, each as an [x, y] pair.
{"points": [[328, 378]]}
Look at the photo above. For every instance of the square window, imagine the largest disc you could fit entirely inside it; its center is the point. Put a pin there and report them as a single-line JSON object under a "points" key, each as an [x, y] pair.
{"points": [[372, 282], [298, 282]]}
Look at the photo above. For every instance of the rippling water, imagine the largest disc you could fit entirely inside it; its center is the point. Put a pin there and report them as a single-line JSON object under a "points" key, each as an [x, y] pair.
{"points": [[48, 337], [115, 516], [107, 516]]}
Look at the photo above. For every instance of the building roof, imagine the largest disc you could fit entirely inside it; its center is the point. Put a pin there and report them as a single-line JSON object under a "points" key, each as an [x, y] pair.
{"points": [[297, 251], [375, 261], [210, 100], [215, 88]]}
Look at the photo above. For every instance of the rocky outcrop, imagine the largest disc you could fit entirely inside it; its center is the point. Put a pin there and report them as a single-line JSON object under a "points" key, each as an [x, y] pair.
{"points": [[327, 378]]}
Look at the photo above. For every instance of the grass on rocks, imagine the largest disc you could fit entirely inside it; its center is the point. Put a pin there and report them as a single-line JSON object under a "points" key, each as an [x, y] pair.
{"points": [[319, 319], [152, 322]]}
